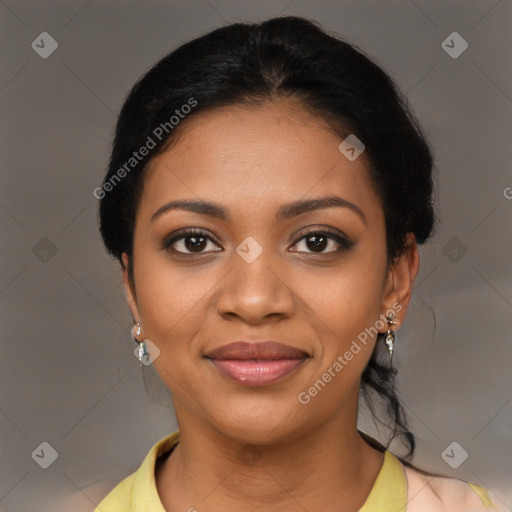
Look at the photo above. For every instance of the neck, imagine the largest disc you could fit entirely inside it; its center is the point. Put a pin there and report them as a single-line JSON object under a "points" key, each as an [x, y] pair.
{"points": [[328, 468]]}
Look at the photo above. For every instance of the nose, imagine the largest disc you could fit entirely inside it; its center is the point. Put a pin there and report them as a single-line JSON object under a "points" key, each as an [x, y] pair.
{"points": [[256, 291]]}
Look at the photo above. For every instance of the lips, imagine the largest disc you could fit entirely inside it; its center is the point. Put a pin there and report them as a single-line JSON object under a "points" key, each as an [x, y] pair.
{"points": [[257, 364]]}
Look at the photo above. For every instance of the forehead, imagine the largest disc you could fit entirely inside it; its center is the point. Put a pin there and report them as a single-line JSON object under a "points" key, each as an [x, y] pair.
{"points": [[250, 156]]}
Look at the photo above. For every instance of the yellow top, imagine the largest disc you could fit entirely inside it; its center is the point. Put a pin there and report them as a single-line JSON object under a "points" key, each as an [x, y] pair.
{"points": [[138, 492]]}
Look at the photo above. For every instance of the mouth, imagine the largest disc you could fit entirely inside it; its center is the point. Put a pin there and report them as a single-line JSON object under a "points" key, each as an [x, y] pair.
{"points": [[257, 364]]}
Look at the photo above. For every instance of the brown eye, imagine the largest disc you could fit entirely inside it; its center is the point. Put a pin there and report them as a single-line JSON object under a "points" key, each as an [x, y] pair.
{"points": [[318, 241], [189, 242]]}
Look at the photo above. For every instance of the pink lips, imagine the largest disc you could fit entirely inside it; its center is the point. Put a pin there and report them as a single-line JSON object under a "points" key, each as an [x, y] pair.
{"points": [[256, 364]]}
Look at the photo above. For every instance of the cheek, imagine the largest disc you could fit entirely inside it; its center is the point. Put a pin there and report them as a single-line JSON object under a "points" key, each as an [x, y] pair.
{"points": [[171, 301], [348, 304], [348, 297]]}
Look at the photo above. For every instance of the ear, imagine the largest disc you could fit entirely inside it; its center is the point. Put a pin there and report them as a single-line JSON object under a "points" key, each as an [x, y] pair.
{"points": [[129, 289], [400, 280]]}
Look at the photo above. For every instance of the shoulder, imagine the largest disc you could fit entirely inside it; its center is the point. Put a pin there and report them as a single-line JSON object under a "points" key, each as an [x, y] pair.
{"points": [[80, 500], [138, 490], [119, 498], [434, 493]]}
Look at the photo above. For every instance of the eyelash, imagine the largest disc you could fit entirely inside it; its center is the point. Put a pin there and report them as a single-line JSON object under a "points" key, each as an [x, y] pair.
{"points": [[330, 234]]}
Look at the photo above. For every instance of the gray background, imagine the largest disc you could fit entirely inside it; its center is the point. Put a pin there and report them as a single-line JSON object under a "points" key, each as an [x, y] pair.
{"points": [[67, 372]]}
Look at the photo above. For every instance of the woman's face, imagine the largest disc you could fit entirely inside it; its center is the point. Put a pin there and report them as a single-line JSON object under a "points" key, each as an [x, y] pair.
{"points": [[262, 268]]}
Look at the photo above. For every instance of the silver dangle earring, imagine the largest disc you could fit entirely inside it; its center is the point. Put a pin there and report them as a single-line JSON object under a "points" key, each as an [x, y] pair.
{"points": [[142, 352], [390, 338]]}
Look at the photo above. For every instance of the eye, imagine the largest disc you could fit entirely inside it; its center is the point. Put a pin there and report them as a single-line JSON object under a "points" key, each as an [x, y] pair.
{"points": [[318, 240], [193, 240]]}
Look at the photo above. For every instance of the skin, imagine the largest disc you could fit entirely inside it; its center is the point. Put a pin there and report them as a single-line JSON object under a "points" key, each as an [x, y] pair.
{"points": [[253, 160]]}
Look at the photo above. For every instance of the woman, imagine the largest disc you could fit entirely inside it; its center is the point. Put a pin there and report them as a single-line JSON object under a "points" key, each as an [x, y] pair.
{"points": [[266, 193]]}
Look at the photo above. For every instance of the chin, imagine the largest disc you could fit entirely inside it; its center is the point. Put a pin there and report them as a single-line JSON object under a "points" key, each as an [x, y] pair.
{"points": [[257, 422]]}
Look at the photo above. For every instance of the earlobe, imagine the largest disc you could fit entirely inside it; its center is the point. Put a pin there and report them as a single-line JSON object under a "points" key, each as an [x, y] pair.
{"points": [[401, 278], [129, 289]]}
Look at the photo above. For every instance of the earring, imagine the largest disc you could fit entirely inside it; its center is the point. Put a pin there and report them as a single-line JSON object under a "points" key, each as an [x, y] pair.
{"points": [[390, 338], [142, 352]]}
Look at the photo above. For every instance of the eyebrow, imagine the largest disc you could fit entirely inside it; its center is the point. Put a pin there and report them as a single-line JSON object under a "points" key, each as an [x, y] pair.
{"points": [[286, 211]]}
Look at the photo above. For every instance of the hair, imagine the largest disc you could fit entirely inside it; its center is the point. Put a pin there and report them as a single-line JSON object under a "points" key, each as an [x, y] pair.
{"points": [[280, 58]]}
